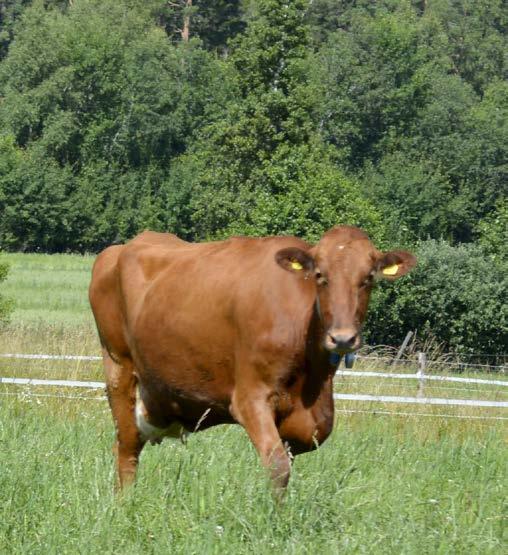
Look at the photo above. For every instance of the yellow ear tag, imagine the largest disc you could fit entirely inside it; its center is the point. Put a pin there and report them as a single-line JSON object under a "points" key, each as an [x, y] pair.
{"points": [[391, 270], [296, 265]]}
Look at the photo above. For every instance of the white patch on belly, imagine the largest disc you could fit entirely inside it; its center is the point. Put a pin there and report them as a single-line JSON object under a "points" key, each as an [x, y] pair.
{"points": [[151, 433]]}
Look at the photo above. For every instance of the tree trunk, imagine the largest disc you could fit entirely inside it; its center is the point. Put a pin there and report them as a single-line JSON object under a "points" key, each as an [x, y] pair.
{"points": [[186, 21]]}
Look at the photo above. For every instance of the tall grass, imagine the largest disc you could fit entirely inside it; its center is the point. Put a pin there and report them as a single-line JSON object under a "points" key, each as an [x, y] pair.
{"points": [[377, 486]]}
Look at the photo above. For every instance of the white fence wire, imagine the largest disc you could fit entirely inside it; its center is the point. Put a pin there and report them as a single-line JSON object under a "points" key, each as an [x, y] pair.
{"points": [[424, 414], [49, 357], [58, 383], [458, 364], [454, 364], [337, 396], [419, 376], [419, 400]]}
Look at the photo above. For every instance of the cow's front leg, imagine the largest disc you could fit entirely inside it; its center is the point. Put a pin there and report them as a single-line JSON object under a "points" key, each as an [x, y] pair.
{"points": [[254, 412]]}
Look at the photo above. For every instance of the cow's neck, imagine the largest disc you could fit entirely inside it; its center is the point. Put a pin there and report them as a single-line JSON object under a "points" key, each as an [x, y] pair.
{"points": [[316, 354]]}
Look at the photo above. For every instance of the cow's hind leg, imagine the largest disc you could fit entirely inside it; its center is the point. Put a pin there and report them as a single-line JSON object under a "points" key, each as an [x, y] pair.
{"points": [[121, 389]]}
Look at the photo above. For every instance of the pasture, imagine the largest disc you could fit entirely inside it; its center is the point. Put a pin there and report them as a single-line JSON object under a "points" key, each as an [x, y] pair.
{"points": [[382, 483]]}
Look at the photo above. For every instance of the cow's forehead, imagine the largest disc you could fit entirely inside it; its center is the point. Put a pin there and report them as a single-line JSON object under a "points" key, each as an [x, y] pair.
{"points": [[347, 247], [345, 232]]}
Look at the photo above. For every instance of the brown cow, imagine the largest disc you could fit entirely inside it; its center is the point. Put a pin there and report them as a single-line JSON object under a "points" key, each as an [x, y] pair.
{"points": [[195, 335]]}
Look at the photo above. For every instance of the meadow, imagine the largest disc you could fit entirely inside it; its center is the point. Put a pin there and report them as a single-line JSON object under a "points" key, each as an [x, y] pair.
{"points": [[421, 481]]}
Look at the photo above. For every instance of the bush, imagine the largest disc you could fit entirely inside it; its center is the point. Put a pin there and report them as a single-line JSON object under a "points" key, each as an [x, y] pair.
{"points": [[493, 232], [5, 304], [456, 294]]}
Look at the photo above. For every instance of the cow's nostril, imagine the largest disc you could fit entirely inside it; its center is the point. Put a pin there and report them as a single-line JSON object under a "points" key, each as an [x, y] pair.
{"points": [[343, 339]]}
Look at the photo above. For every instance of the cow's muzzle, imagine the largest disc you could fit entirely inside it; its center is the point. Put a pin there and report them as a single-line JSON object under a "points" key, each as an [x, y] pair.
{"points": [[342, 340]]}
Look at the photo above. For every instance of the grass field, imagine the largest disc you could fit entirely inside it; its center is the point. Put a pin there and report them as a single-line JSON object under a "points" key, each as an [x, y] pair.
{"points": [[49, 290], [382, 483], [377, 486]]}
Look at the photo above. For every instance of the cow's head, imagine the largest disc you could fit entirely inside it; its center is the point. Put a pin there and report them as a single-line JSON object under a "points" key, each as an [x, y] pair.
{"points": [[344, 265]]}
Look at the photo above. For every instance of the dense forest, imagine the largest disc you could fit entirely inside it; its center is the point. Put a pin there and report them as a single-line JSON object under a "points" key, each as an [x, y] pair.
{"points": [[211, 118]]}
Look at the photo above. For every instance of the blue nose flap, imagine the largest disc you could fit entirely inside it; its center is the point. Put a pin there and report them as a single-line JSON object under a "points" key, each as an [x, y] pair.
{"points": [[335, 359], [349, 360]]}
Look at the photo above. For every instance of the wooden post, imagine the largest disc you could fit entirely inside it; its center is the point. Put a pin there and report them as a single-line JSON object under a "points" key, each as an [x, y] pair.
{"points": [[403, 347], [422, 363]]}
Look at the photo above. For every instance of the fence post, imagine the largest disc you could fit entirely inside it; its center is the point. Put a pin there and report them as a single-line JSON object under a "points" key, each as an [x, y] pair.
{"points": [[422, 363], [402, 347]]}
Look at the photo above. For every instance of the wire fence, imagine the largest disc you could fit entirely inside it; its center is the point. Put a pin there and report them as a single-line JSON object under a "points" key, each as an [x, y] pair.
{"points": [[456, 364], [419, 376], [427, 387], [424, 414], [419, 400], [376, 412], [29, 395], [385, 399], [57, 383], [48, 357]]}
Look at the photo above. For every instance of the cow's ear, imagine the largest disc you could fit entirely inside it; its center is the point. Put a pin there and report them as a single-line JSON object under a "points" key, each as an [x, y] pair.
{"points": [[295, 260], [394, 264]]}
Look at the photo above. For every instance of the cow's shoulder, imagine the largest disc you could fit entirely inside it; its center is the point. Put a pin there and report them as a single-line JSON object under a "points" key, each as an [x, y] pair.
{"points": [[156, 238], [148, 254]]}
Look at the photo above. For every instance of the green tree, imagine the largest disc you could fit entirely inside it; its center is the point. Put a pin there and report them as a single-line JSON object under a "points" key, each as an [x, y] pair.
{"points": [[450, 169], [213, 21], [373, 78], [106, 84], [104, 106], [299, 191], [261, 167], [34, 200], [431, 151], [477, 39], [10, 10]]}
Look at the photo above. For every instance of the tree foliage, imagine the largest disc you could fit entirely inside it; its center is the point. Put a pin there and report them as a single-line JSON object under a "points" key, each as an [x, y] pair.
{"points": [[10, 10], [261, 167], [264, 117], [493, 232], [409, 113], [214, 22], [96, 118]]}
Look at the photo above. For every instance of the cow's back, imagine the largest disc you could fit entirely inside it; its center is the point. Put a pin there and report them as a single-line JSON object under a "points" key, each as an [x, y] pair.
{"points": [[187, 313], [179, 306]]}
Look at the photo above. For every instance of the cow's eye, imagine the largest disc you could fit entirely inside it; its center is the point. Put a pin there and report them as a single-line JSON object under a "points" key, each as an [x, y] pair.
{"points": [[320, 278], [367, 282]]}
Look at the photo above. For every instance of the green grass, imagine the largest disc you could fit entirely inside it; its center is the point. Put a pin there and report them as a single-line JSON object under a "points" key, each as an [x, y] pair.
{"points": [[51, 315], [378, 485], [49, 289], [383, 483]]}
